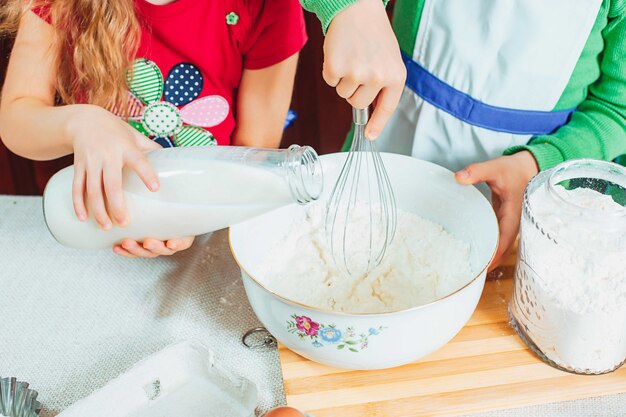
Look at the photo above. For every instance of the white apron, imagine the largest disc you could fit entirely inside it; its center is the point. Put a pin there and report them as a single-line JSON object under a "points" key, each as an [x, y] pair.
{"points": [[511, 54]]}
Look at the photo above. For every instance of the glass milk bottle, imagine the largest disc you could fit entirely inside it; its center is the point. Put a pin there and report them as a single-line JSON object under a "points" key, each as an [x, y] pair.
{"points": [[569, 297], [202, 189]]}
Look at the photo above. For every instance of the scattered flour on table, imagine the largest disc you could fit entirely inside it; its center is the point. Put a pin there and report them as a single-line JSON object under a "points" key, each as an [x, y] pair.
{"points": [[422, 264]]}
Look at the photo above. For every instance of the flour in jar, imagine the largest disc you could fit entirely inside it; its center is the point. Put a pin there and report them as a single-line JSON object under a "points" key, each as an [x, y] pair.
{"points": [[570, 290], [423, 263], [586, 270]]}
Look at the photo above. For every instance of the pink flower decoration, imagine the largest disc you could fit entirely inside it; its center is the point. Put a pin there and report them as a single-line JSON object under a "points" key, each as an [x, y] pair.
{"points": [[206, 112], [307, 326]]}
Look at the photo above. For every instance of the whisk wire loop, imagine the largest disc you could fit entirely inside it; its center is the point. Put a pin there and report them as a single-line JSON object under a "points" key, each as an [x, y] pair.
{"points": [[363, 179]]}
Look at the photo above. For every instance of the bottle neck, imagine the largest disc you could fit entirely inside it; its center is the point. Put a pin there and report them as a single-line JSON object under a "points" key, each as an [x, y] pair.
{"points": [[304, 174]]}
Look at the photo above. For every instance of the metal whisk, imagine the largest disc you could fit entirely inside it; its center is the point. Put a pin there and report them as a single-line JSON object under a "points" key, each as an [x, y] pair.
{"points": [[359, 238]]}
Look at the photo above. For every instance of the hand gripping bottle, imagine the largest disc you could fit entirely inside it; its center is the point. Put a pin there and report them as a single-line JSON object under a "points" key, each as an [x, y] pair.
{"points": [[202, 189]]}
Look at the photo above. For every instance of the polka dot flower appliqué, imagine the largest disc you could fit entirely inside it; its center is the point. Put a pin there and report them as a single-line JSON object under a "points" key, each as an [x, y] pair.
{"points": [[154, 109]]}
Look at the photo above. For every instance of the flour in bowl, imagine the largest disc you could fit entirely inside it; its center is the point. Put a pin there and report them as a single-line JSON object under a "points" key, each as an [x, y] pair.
{"points": [[423, 263]]}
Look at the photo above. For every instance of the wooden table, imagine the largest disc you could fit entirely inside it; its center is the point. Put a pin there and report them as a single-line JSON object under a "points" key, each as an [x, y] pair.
{"points": [[485, 367]]}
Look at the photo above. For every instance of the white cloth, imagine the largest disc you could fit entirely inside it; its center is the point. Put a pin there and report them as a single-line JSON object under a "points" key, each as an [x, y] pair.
{"points": [[70, 320]]}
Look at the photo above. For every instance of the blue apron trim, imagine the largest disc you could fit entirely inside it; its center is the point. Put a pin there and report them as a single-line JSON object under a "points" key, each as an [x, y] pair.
{"points": [[477, 113]]}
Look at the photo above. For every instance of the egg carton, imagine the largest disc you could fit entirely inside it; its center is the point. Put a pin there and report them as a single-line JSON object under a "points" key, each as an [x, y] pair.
{"points": [[16, 400]]}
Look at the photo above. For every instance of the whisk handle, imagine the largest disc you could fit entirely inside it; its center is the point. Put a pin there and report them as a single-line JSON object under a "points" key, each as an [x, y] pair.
{"points": [[360, 116]]}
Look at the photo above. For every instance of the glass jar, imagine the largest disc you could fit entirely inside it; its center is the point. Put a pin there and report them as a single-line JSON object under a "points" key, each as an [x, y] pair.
{"points": [[202, 189], [569, 297]]}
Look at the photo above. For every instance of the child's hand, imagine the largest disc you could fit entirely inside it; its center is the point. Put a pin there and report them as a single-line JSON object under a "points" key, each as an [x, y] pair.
{"points": [[362, 61], [104, 144], [507, 177], [151, 248]]}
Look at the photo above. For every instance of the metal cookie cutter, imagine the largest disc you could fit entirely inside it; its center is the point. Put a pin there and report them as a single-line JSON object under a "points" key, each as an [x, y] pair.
{"points": [[16, 400], [258, 338]]}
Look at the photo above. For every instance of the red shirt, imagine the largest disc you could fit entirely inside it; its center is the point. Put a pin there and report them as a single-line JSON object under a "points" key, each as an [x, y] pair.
{"points": [[217, 39], [201, 48]]}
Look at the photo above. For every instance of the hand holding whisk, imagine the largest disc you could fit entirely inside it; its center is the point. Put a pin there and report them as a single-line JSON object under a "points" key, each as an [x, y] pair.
{"points": [[364, 182]]}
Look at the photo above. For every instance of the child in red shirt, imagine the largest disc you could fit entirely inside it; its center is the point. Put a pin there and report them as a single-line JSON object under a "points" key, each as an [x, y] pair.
{"points": [[221, 71]]}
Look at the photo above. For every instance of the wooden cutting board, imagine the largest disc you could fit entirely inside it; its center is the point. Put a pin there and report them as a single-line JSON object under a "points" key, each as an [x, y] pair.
{"points": [[485, 367]]}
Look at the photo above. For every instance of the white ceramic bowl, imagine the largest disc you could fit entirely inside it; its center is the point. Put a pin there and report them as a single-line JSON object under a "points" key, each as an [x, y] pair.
{"points": [[380, 340]]}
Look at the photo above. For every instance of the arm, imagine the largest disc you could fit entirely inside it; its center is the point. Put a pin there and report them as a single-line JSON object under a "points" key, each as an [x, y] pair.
{"points": [[326, 10], [597, 129], [28, 95], [362, 58], [33, 127], [262, 104]]}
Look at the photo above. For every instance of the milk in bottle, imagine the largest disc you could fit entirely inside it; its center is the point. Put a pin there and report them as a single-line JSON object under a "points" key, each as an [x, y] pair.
{"points": [[202, 189]]}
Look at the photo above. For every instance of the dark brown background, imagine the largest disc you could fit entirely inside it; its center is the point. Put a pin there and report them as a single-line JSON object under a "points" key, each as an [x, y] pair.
{"points": [[323, 118]]}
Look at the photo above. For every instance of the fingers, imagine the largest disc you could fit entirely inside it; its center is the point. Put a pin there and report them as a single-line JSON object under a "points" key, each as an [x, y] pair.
{"points": [[363, 96], [386, 104], [112, 178], [78, 192], [361, 51], [136, 249], [143, 143], [104, 180], [157, 247], [95, 197], [112, 182], [347, 87], [139, 163], [475, 173], [331, 75], [360, 90], [151, 248], [119, 250], [508, 220], [180, 244]]}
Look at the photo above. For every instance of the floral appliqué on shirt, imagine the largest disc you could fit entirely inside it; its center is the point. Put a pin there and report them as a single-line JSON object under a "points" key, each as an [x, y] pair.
{"points": [[154, 109]]}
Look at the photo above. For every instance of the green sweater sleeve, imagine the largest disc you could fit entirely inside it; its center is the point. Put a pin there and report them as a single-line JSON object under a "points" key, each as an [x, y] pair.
{"points": [[326, 10], [597, 129]]}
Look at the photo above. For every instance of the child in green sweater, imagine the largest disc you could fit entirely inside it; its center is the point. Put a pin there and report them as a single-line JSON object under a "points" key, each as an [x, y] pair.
{"points": [[522, 85]]}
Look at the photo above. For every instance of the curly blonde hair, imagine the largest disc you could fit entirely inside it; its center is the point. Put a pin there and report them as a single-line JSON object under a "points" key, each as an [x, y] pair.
{"points": [[95, 40]]}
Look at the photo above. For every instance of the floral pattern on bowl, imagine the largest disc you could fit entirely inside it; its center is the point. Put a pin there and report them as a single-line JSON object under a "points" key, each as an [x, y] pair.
{"points": [[322, 335]]}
